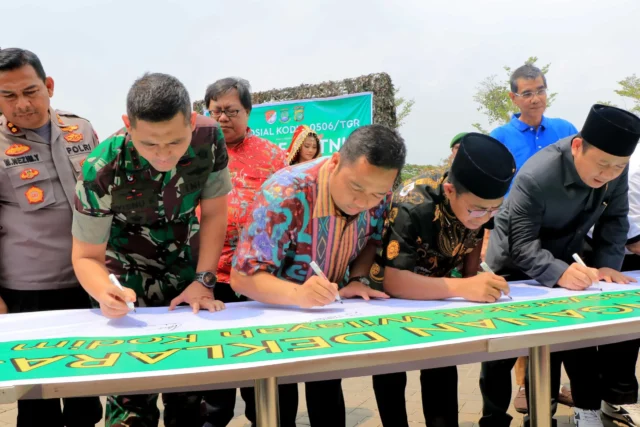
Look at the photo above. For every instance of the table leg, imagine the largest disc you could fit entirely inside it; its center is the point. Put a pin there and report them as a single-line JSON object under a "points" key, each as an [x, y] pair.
{"points": [[267, 408], [540, 386]]}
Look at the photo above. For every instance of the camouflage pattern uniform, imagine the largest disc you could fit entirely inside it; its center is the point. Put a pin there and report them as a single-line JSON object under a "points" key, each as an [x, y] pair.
{"points": [[147, 218]]}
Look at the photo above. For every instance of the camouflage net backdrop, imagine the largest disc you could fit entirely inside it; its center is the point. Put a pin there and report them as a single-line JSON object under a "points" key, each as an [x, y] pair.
{"points": [[384, 110]]}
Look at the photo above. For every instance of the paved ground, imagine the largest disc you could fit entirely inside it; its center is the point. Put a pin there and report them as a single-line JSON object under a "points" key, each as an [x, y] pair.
{"points": [[361, 404]]}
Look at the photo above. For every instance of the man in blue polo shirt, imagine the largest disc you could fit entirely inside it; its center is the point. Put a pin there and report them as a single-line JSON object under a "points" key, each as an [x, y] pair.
{"points": [[530, 131]]}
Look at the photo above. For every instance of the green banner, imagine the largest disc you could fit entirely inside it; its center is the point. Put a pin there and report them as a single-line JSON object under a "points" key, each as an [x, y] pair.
{"points": [[332, 118], [82, 356]]}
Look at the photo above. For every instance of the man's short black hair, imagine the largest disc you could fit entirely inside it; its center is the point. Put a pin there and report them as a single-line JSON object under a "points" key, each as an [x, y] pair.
{"points": [[527, 72], [460, 189], [14, 58], [157, 97], [222, 86], [381, 146]]}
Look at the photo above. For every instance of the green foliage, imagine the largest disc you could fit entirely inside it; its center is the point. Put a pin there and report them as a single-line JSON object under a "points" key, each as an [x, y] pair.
{"points": [[403, 107], [493, 97], [384, 106], [411, 171], [631, 89]]}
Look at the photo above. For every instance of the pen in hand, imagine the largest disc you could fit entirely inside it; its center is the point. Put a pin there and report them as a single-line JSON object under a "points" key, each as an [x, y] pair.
{"points": [[487, 269], [316, 269], [579, 260], [117, 284]]}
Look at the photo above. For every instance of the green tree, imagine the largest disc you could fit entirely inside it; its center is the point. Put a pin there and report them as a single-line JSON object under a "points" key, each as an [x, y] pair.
{"points": [[403, 107], [629, 88], [493, 97]]}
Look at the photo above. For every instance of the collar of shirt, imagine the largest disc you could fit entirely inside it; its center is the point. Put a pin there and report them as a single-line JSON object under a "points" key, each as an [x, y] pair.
{"points": [[248, 136], [571, 175], [522, 126], [324, 205], [11, 129]]}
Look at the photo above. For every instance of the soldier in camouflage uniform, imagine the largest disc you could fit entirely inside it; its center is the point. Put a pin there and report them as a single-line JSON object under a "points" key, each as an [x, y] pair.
{"points": [[135, 217]]}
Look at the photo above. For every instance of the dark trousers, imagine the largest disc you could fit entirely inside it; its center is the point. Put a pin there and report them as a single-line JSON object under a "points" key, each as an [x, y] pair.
{"points": [[439, 389], [617, 363], [325, 404], [495, 384], [78, 411]]}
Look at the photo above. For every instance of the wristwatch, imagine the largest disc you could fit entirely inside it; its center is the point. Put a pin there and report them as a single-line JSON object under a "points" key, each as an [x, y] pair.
{"points": [[207, 278], [362, 279]]}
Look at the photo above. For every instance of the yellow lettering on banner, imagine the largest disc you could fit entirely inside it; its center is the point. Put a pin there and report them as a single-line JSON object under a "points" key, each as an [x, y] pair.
{"points": [[99, 343], [355, 324], [537, 318], [607, 309], [630, 305], [575, 299], [190, 338], [22, 364], [566, 313], [40, 345], [483, 324], [85, 361], [447, 314], [405, 319], [370, 338], [76, 345], [368, 322], [474, 311], [617, 296], [213, 351], [440, 327], [512, 321], [330, 325], [268, 346], [270, 330], [152, 340], [153, 357], [501, 309], [311, 343], [244, 334], [302, 326]]}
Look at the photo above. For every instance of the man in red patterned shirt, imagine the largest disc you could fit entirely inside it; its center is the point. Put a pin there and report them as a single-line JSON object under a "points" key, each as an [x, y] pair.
{"points": [[252, 160]]}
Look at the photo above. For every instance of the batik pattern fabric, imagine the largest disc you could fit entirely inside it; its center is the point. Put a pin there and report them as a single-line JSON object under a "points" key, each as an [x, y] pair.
{"points": [[295, 221], [422, 234], [251, 163]]}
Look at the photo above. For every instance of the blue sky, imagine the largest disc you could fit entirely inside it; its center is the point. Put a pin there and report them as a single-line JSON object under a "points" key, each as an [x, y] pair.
{"points": [[436, 52]]}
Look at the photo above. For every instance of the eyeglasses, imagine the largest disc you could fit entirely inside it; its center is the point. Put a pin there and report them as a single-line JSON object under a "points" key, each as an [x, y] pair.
{"points": [[229, 113], [529, 95], [479, 213]]}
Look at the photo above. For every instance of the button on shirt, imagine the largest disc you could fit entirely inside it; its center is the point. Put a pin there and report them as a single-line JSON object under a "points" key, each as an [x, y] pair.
{"points": [[524, 140]]}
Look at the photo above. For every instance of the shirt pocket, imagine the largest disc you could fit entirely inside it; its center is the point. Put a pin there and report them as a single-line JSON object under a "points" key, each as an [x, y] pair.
{"points": [[32, 186], [77, 161], [137, 206]]}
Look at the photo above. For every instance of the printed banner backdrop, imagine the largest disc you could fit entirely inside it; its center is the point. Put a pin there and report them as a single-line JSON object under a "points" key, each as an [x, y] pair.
{"points": [[142, 347], [332, 118]]}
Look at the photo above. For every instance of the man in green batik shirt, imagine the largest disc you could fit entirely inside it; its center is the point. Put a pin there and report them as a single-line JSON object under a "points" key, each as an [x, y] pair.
{"points": [[135, 217]]}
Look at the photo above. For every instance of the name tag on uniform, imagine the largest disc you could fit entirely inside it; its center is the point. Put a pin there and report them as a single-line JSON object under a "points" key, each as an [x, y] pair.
{"points": [[22, 160], [78, 149]]}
